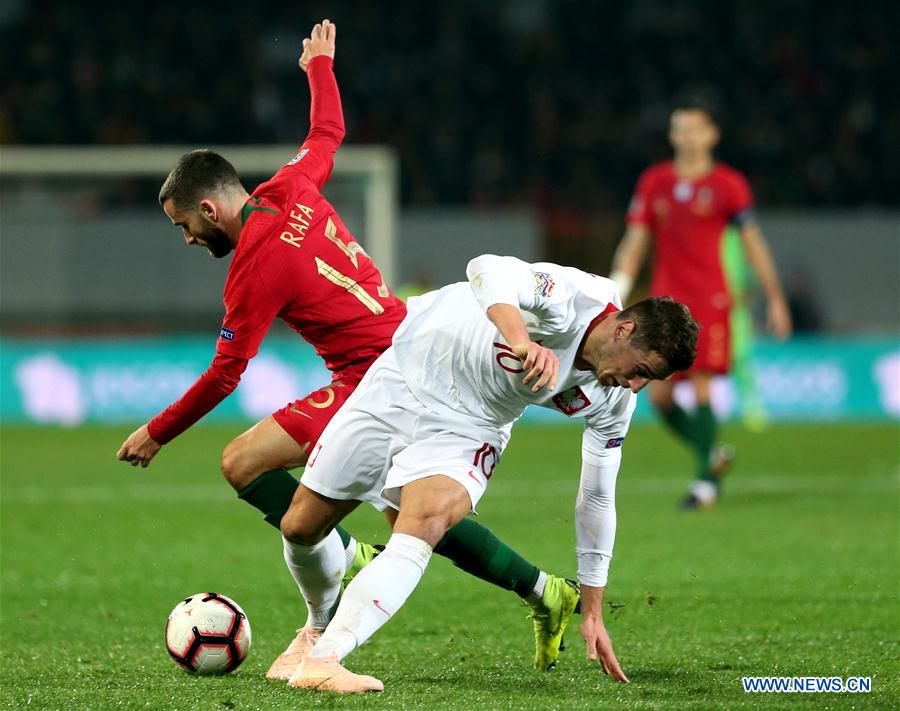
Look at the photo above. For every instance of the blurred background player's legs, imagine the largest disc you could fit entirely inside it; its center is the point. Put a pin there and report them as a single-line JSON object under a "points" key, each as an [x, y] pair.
{"points": [[699, 430]]}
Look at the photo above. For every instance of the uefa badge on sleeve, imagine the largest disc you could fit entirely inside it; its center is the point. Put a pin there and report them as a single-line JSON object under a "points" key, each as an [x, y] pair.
{"points": [[543, 284], [297, 158]]}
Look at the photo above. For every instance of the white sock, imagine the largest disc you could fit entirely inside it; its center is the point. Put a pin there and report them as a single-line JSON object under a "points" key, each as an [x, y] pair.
{"points": [[705, 491], [537, 592], [375, 595], [349, 553], [318, 571]]}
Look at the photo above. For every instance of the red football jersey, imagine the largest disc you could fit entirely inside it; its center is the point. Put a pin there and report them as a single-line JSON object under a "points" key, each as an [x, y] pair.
{"points": [[687, 219], [295, 259]]}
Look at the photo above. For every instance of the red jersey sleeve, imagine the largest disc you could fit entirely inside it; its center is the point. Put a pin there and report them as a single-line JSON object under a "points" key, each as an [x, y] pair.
{"points": [[639, 210], [741, 206], [217, 383], [326, 124], [250, 308]]}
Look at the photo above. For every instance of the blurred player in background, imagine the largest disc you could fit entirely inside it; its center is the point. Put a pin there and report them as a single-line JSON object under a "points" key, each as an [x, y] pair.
{"points": [[682, 207], [432, 417], [295, 259]]}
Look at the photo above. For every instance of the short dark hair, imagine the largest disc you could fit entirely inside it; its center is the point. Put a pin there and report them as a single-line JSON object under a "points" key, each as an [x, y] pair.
{"points": [[664, 326], [196, 174], [693, 102]]}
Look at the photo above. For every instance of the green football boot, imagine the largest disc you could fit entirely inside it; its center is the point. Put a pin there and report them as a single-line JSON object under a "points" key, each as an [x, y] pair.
{"points": [[551, 616], [365, 554]]}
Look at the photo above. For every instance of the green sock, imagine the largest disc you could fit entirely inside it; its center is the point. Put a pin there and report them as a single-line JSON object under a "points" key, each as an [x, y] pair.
{"points": [[271, 492], [705, 427], [345, 536], [479, 552], [680, 423]]}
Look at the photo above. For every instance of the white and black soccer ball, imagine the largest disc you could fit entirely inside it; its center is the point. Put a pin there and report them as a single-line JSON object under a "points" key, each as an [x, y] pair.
{"points": [[208, 633]]}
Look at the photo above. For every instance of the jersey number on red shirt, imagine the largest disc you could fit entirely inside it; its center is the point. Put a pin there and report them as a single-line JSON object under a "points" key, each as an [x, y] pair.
{"points": [[351, 249]]}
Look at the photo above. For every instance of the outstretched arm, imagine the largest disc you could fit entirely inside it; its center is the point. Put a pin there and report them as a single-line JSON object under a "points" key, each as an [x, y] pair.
{"points": [[249, 311], [595, 533], [217, 383], [326, 116], [320, 42], [595, 525]]}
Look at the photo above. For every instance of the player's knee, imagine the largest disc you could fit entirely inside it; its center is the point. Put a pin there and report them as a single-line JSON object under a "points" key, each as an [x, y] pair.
{"points": [[236, 465], [430, 523], [300, 530]]}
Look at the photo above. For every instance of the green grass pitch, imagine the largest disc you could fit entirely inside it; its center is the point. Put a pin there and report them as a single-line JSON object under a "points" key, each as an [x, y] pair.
{"points": [[795, 573]]}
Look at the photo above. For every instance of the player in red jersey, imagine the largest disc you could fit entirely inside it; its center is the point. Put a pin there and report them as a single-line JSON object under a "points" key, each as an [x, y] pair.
{"points": [[682, 208], [295, 259]]}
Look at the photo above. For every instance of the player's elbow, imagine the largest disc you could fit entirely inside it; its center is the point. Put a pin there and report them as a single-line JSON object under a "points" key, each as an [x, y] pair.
{"points": [[337, 132], [595, 504], [229, 384], [332, 132], [227, 371]]}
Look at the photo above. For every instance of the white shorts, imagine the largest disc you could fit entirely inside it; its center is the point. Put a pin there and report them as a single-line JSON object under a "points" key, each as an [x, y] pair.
{"points": [[382, 438]]}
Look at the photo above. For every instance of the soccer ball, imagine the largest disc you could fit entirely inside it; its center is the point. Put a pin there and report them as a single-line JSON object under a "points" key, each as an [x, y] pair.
{"points": [[208, 633]]}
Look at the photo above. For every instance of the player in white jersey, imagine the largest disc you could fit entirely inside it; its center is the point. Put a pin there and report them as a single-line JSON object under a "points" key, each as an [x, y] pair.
{"points": [[424, 431]]}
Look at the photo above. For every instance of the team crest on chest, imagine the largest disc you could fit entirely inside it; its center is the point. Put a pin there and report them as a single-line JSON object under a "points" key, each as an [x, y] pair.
{"points": [[683, 191], [571, 401], [703, 205]]}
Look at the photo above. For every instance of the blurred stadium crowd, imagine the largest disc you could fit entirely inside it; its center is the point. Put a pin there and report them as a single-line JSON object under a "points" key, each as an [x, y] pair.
{"points": [[556, 104]]}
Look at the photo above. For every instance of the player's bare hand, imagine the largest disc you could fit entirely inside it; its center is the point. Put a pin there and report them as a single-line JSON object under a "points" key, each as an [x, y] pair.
{"points": [[599, 648], [320, 42], [139, 448], [538, 362], [778, 318]]}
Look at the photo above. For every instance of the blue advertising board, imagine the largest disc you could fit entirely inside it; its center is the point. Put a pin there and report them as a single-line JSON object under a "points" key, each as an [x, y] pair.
{"points": [[79, 380]]}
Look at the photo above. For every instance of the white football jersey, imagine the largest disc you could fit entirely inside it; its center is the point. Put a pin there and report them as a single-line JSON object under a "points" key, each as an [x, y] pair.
{"points": [[456, 363]]}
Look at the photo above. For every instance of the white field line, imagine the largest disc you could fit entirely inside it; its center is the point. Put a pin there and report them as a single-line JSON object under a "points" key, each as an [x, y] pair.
{"points": [[124, 493], [628, 485], [773, 484]]}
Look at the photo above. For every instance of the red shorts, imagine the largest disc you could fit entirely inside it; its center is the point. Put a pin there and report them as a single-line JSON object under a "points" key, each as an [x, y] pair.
{"points": [[714, 341], [306, 418]]}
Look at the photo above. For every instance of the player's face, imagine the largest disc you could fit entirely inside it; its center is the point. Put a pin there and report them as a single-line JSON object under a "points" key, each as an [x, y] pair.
{"points": [[692, 133], [624, 366], [199, 230]]}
